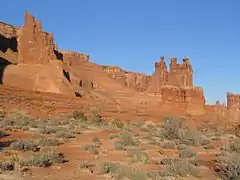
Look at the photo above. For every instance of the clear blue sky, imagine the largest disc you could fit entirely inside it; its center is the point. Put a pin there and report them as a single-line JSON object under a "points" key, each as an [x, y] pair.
{"points": [[133, 34]]}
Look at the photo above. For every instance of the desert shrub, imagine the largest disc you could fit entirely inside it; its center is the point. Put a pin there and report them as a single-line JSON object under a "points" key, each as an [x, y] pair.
{"points": [[48, 142], [145, 129], [171, 128], [205, 142], [182, 147], [46, 159], [107, 168], [233, 147], [3, 134], [57, 122], [77, 115], [196, 161], [186, 153], [7, 165], [167, 161], [24, 145], [122, 172], [85, 165], [92, 148], [96, 140], [126, 172], [40, 160], [169, 145], [179, 168], [118, 145], [230, 172], [225, 157], [117, 123], [138, 124], [18, 120], [236, 130], [216, 139], [94, 117], [138, 155], [128, 139], [64, 134], [47, 130], [209, 146], [113, 136], [175, 129]]}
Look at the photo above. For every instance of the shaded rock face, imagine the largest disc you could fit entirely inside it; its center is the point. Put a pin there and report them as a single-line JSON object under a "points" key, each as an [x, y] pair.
{"points": [[233, 106], [132, 80], [8, 37], [34, 45]]}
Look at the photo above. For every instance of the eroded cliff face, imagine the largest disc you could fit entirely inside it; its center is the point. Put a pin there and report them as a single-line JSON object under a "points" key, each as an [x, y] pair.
{"points": [[173, 87], [35, 65], [34, 45], [233, 106], [176, 86], [132, 80], [74, 58]]}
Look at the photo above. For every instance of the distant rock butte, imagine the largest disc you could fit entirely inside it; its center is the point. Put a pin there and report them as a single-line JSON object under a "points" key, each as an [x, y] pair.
{"points": [[30, 59]]}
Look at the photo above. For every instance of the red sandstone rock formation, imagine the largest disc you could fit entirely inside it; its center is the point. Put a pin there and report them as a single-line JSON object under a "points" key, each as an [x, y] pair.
{"points": [[74, 58], [132, 80], [233, 106], [176, 86], [39, 70], [180, 75], [34, 45], [37, 66]]}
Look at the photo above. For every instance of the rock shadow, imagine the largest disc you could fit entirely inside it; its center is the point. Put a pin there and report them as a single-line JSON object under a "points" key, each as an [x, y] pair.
{"points": [[3, 64], [6, 43]]}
